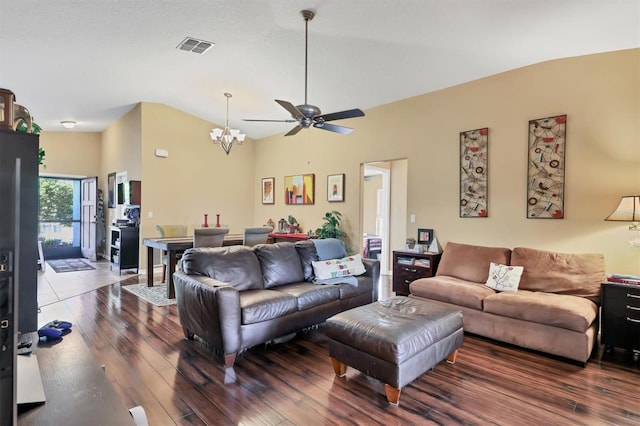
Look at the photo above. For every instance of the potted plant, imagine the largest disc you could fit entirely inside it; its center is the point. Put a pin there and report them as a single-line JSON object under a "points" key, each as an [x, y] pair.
{"points": [[329, 228]]}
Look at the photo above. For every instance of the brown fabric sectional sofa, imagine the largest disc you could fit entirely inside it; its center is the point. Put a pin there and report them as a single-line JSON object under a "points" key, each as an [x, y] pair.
{"points": [[554, 310]]}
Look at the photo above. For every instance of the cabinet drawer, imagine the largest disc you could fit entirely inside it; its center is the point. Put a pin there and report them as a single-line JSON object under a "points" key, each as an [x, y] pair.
{"points": [[621, 316]]}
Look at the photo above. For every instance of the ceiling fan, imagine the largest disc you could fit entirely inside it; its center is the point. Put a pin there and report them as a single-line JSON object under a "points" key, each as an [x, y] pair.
{"points": [[307, 115]]}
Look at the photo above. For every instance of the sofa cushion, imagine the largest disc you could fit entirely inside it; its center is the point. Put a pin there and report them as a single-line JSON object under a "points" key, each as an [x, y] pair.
{"points": [[310, 295], [280, 264], [337, 268], [235, 265], [470, 262], [561, 273], [307, 252], [451, 290], [264, 305], [570, 312], [504, 277]]}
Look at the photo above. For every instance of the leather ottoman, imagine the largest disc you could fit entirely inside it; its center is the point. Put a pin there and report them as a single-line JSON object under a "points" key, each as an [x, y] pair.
{"points": [[394, 340]]}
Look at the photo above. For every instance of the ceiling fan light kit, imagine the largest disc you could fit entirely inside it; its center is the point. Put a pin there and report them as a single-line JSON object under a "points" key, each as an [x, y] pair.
{"points": [[227, 137], [307, 115]]}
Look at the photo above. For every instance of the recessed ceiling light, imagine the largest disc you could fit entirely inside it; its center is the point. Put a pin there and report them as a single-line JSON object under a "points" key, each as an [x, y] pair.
{"points": [[68, 124], [194, 45]]}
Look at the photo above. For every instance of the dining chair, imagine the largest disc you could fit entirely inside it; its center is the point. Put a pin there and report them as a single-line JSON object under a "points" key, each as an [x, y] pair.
{"points": [[257, 235], [209, 237], [169, 231]]}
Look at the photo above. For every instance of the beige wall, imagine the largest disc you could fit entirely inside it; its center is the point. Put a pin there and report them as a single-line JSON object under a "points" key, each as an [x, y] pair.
{"points": [[63, 151], [599, 93], [121, 145], [196, 178]]}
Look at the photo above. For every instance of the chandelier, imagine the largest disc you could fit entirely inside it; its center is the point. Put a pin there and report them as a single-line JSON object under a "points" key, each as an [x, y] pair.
{"points": [[227, 137]]}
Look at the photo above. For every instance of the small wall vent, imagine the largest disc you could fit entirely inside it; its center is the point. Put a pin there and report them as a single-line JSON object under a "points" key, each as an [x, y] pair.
{"points": [[194, 45]]}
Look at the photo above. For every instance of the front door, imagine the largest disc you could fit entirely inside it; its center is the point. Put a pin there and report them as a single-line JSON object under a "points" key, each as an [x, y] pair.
{"points": [[89, 205]]}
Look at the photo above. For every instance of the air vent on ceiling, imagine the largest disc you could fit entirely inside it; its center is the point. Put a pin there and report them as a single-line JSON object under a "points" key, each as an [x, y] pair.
{"points": [[194, 45]]}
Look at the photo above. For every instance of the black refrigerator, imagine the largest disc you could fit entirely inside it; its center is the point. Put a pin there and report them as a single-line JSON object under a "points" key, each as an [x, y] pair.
{"points": [[18, 256]]}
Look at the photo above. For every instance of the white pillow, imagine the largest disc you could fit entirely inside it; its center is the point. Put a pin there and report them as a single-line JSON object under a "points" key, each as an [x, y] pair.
{"points": [[504, 277], [335, 268]]}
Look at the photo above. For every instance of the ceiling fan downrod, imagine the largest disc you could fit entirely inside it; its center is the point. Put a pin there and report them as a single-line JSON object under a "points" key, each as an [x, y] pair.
{"points": [[308, 16]]}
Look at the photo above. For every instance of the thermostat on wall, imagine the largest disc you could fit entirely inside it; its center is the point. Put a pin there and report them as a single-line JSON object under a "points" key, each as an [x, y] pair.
{"points": [[162, 153]]}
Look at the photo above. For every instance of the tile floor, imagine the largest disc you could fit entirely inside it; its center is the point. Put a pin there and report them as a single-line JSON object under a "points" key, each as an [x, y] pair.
{"points": [[53, 286]]}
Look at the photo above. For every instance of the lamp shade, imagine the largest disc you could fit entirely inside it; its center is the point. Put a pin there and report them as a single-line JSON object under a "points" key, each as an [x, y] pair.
{"points": [[628, 210]]}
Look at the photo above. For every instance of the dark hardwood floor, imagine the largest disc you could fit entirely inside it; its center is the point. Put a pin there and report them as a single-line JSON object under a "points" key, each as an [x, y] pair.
{"points": [[177, 381]]}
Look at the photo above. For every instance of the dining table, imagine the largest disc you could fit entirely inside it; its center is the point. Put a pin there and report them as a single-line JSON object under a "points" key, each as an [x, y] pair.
{"points": [[173, 246]]}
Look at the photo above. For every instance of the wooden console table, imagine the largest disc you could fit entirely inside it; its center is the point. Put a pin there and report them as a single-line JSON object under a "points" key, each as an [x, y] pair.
{"points": [[278, 237]]}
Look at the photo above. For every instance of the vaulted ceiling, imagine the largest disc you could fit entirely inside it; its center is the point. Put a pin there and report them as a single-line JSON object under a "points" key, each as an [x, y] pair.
{"points": [[92, 61]]}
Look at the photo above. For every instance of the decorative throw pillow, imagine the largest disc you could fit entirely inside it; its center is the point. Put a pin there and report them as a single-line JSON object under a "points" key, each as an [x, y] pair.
{"points": [[504, 277], [335, 268]]}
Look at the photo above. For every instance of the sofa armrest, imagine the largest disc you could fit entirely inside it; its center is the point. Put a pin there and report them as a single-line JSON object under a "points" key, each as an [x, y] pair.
{"points": [[210, 309], [372, 269]]}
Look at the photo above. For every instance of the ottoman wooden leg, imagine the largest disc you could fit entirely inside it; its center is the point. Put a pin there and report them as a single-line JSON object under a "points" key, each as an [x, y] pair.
{"points": [[393, 394], [451, 359], [339, 368]]}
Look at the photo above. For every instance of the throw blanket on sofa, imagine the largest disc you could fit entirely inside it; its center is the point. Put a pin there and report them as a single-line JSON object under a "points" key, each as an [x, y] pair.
{"points": [[329, 248]]}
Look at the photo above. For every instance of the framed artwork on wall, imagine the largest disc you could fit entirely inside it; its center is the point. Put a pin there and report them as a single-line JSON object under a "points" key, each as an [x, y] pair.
{"points": [[299, 189], [111, 190], [267, 190], [546, 167], [335, 188], [474, 182]]}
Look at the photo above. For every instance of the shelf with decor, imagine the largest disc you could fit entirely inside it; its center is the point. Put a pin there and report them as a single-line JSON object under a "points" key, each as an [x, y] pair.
{"points": [[124, 253]]}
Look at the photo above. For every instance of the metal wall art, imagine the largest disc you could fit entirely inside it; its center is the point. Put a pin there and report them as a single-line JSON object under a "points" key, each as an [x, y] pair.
{"points": [[545, 188], [474, 145]]}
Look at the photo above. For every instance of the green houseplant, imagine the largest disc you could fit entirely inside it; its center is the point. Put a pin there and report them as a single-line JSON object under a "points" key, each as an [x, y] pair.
{"points": [[330, 227]]}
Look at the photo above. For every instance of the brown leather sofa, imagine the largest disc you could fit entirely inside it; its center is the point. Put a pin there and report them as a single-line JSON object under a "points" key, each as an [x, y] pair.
{"points": [[554, 310], [237, 297]]}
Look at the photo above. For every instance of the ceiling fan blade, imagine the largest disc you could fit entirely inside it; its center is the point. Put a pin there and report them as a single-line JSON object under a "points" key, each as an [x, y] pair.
{"points": [[290, 120], [333, 128], [350, 113], [295, 112], [294, 130]]}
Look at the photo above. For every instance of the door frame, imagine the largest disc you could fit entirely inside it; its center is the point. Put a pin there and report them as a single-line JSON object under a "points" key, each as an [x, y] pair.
{"points": [[88, 217]]}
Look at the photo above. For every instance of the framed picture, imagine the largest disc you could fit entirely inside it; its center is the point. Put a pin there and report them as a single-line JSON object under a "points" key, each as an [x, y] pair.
{"points": [[545, 178], [335, 188], [425, 236], [111, 190], [267, 190], [299, 189], [474, 146]]}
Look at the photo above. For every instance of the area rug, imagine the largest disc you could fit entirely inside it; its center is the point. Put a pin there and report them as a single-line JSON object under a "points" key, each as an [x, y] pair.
{"points": [[69, 265], [156, 294]]}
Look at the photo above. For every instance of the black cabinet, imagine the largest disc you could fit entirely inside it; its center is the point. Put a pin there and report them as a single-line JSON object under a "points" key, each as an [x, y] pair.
{"points": [[18, 255], [408, 267], [124, 248], [621, 317]]}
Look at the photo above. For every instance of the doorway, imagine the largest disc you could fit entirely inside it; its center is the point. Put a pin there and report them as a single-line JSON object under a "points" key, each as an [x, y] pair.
{"points": [[63, 214], [383, 209]]}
